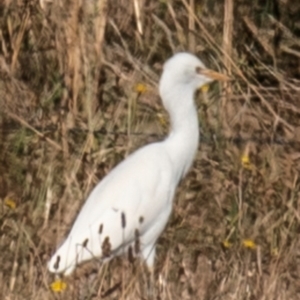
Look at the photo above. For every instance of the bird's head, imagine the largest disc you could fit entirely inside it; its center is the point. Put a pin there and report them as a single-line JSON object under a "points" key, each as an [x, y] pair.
{"points": [[185, 72]]}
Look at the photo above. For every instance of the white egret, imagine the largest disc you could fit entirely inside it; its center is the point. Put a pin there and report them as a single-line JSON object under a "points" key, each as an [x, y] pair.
{"points": [[128, 210]]}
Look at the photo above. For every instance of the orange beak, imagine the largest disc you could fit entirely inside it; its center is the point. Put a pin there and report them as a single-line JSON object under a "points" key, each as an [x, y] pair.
{"points": [[213, 74]]}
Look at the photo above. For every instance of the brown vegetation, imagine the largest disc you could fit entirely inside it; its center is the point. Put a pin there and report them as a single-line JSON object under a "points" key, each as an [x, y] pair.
{"points": [[78, 92]]}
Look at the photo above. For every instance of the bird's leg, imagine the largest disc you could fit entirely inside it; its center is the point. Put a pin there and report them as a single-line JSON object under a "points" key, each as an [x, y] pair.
{"points": [[151, 284], [148, 254]]}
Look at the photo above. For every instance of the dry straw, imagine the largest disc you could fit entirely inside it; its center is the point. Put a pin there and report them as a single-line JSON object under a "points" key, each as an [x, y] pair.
{"points": [[73, 65]]}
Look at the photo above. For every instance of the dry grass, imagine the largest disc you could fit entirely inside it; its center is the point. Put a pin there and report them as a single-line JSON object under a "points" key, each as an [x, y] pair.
{"points": [[69, 112]]}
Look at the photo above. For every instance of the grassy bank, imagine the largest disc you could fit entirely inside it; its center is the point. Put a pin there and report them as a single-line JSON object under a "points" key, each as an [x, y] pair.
{"points": [[78, 93]]}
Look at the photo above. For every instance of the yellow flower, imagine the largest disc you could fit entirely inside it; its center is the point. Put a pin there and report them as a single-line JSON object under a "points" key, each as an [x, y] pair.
{"points": [[58, 286], [10, 203], [250, 244], [226, 244], [246, 163], [140, 88], [204, 88]]}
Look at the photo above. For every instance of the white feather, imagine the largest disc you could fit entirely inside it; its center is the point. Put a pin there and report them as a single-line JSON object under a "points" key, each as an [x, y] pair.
{"points": [[131, 206]]}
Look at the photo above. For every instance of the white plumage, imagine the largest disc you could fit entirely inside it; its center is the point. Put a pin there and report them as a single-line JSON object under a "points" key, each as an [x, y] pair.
{"points": [[128, 210]]}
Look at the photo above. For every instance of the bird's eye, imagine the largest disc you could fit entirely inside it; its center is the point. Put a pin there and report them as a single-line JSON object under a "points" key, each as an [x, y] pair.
{"points": [[199, 70]]}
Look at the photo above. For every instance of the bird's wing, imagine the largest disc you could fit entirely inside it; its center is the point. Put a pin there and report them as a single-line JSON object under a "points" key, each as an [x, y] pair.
{"points": [[137, 184], [131, 199]]}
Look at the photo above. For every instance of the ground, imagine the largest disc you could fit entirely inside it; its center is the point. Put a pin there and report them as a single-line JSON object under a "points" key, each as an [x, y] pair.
{"points": [[79, 93]]}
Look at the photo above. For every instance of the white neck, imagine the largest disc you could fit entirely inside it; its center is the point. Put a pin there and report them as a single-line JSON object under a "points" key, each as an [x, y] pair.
{"points": [[182, 142]]}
